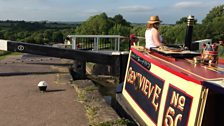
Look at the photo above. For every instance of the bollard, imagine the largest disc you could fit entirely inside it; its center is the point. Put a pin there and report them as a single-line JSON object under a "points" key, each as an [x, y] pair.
{"points": [[42, 85]]}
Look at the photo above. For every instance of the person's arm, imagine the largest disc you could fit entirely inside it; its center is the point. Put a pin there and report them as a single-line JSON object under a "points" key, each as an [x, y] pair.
{"points": [[156, 37]]}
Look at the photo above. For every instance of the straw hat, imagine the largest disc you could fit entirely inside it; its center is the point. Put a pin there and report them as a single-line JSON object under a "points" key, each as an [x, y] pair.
{"points": [[154, 19]]}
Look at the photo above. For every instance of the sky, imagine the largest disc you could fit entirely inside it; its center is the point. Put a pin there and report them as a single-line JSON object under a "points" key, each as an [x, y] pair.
{"points": [[134, 11]]}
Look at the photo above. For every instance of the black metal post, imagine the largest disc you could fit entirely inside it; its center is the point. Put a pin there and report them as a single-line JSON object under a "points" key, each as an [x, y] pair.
{"points": [[189, 31]]}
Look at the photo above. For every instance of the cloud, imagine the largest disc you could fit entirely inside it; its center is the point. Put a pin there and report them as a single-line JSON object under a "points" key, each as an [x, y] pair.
{"points": [[135, 8], [189, 4], [91, 11]]}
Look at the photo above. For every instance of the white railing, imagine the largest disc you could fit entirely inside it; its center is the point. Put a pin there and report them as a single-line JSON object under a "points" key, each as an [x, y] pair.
{"points": [[96, 42]]}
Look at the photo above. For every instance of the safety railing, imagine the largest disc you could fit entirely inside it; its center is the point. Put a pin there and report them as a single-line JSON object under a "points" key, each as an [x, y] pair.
{"points": [[99, 42]]}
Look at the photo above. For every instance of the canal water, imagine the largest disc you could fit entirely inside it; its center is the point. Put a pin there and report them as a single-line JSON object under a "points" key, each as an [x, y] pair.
{"points": [[107, 84], [109, 94]]}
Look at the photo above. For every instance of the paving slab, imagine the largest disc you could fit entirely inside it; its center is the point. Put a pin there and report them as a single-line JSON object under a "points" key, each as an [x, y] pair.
{"points": [[21, 102]]}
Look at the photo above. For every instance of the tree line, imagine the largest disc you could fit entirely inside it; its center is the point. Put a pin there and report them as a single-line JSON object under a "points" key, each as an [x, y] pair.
{"points": [[44, 32], [36, 32], [211, 27]]}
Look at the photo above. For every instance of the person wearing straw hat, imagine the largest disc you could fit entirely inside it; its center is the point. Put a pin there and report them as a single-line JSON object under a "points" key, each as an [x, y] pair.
{"points": [[152, 35]]}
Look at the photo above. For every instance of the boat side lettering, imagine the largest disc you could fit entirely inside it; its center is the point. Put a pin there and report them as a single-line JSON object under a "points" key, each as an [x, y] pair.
{"points": [[151, 91]]}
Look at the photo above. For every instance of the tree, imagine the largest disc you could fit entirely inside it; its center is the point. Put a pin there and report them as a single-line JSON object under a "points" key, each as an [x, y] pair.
{"points": [[182, 20], [217, 11], [9, 35], [103, 25], [118, 19], [57, 36], [213, 23], [96, 25], [118, 29], [139, 30], [1, 35], [47, 35], [38, 38]]}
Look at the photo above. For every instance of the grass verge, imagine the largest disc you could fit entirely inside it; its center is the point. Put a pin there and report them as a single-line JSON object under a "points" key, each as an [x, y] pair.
{"points": [[4, 54]]}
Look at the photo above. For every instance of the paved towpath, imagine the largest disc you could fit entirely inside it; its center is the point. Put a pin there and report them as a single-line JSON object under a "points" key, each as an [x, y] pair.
{"points": [[21, 103]]}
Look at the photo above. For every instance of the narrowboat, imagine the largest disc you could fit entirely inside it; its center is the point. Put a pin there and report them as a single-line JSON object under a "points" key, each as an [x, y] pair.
{"points": [[169, 86], [173, 86]]}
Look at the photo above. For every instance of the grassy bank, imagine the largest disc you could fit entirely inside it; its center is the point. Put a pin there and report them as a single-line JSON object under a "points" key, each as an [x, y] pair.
{"points": [[3, 54]]}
